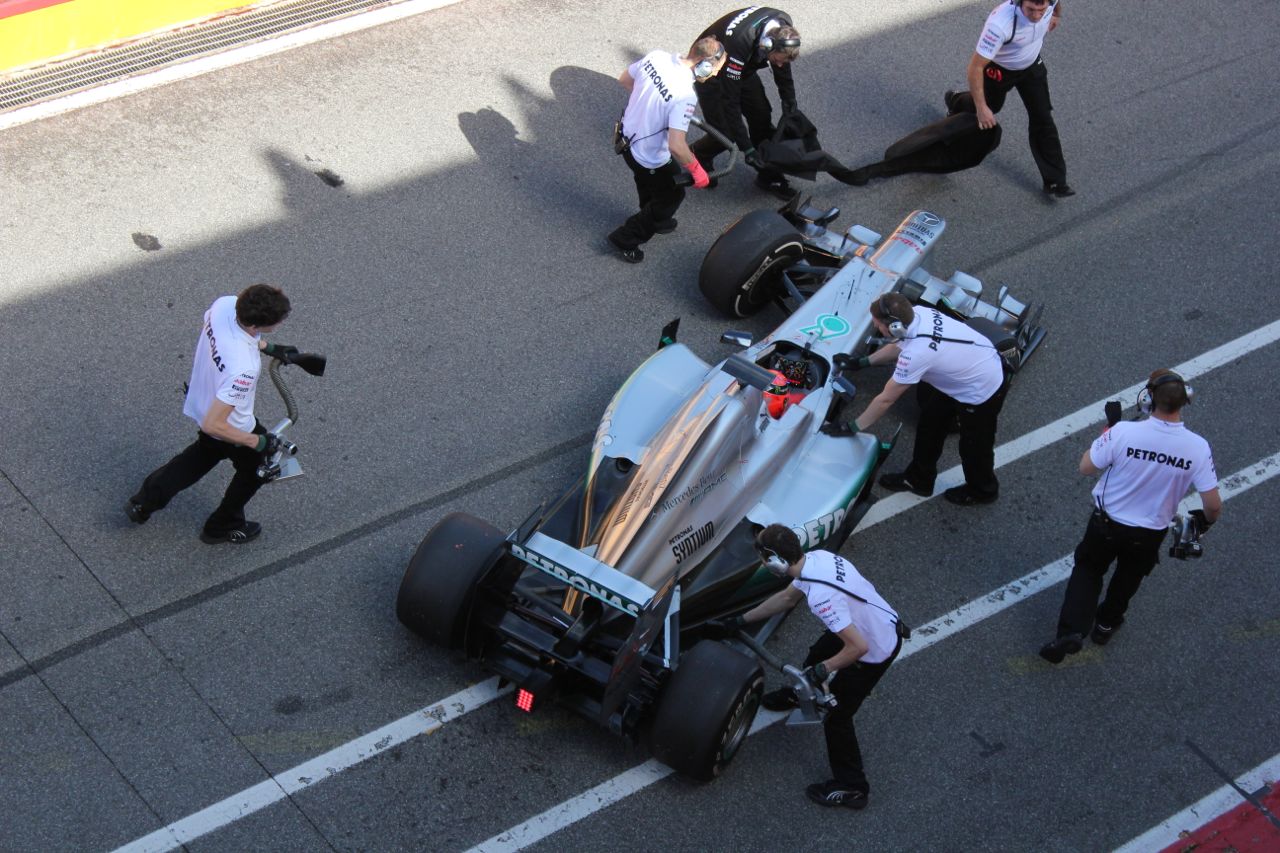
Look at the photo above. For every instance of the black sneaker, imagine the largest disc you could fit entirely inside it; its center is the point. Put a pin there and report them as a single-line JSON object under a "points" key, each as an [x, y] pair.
{"points": [[1058, 190], [666, 227], [1057, 650], [782, 699], [1102, 634], [833, 793], [966, 495], [136, 513], [900, 483], [246, 532], [634, 255], [778, 186]]}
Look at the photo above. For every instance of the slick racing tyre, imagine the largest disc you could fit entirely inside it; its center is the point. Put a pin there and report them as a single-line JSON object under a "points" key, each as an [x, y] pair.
{"points": [[742, 271], [705, 712], [439, 584]]}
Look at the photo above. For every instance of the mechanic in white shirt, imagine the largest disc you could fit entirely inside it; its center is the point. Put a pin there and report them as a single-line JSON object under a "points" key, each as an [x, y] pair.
{"points": [[959, 377], [653, 132], [862, 640], [1008, 57], [220, 397], [1146, 467]]}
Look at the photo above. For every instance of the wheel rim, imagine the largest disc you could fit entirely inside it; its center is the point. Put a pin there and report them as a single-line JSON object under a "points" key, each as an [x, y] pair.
{"points": [[739, 726]]}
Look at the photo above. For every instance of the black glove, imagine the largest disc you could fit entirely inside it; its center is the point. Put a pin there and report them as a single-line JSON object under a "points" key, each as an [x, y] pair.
{"points": [[1202, 522], [844, 361], [1112, 410], [838, 429], [723, 629], [817, 674], [283, 352], [753, 159], [268, 444]]}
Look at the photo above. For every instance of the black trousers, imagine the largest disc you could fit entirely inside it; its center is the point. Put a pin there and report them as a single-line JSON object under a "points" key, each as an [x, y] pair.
{"points": [[756, 109], [1134, 550], [938, 412], [660, 198], [850, 686], [198, 459], [1032, 84]]}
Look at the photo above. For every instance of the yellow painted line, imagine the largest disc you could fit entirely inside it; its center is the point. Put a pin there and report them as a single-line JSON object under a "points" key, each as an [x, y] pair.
{"points": [[54, 31]]}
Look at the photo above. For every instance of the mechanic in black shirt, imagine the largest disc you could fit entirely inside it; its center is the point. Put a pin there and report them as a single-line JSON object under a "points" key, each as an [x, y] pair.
{"points": [[734, 102]]}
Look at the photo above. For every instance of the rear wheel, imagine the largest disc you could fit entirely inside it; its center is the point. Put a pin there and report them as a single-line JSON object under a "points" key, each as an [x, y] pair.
{"points": [[742, 271], [439, 584], [706, 709]]}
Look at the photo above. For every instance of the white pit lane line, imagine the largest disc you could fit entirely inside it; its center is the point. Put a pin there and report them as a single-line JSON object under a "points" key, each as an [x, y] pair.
{"points": [[966, 616], [1169, 831], [235, 56], [326, 766]]}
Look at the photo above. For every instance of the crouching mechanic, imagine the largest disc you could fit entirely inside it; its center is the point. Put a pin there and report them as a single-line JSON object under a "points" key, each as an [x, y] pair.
{"points": [[735, 103], [959, 376], [220, 396], [652, 138], [861, 642], [1146, 467]]}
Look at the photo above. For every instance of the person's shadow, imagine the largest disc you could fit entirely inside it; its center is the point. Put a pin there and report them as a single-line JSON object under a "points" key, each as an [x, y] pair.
{"points": [[564, 162]]}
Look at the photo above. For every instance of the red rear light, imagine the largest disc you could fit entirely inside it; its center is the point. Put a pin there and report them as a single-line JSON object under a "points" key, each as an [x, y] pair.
{"points": [[524, 700]]}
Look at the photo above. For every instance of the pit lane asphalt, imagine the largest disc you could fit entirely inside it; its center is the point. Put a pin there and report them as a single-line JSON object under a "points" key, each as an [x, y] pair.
{"points": [[476, 329]]}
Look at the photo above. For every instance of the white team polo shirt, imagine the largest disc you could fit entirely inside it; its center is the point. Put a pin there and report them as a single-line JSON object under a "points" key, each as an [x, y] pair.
{"points": [[662, 99], [969, 373], [1148, 466], [1010, 40], [225, 367], [838, 610]]}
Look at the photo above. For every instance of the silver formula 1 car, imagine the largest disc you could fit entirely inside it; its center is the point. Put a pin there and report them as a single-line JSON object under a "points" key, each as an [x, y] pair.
{"points": [[600, 600]]}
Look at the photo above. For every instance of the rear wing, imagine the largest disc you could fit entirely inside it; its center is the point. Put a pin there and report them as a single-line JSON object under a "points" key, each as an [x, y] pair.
{"points": [[588, 574]]}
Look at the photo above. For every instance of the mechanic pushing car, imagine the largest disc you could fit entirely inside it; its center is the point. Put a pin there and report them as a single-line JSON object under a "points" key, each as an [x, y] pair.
{"points": [[734, 103], [863, 637], [959, 376], [651, 138], [1008, 57], [220, 398], [1146, 468]]}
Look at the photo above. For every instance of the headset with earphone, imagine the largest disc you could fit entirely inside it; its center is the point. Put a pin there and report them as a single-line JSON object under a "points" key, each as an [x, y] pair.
{"points": [[769, 44], [1146, 397], [897, 331], [704, 68]]}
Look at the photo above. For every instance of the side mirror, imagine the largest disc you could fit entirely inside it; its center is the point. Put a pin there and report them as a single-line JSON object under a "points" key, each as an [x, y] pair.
{"points": [[742, 339], [844, 386]]}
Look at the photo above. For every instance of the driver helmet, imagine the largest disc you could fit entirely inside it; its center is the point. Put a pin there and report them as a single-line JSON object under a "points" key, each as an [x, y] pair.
{"points": [[777, 395]]}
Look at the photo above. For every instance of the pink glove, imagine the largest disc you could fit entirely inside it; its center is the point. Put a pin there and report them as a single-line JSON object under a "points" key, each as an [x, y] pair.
{"points": [[700, 179]]}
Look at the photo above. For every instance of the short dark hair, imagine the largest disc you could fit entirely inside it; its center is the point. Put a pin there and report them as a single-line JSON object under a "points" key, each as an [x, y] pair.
{"points": [[1170, 395], [893, 306], [261, 305], [781, 540]]}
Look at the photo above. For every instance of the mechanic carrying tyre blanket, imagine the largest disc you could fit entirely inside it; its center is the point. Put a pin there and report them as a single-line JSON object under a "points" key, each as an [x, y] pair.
{"points": [[220, 397], [959, 377], [862, 639], [1146, 467], [1008, 57], [651, 138], [734, 103]]}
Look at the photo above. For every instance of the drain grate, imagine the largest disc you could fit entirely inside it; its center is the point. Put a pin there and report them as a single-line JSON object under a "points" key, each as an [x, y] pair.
{"points": [[107, 66]]}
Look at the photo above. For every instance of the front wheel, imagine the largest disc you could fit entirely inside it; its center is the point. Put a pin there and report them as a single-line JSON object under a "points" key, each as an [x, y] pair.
{"points": [[742, 271], [706, 709], [438, 587]]}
